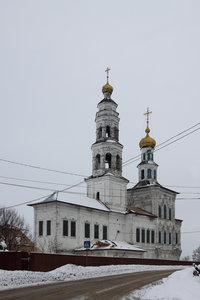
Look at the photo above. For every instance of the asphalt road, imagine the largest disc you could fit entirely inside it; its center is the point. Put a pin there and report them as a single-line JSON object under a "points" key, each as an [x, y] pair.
{"points": [[104, 288]]}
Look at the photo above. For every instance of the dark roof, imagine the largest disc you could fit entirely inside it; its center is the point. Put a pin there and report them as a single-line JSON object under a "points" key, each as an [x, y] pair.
{"points": [[179, 220], [145, 162], [146, 184], [107, 140], [107, 174], [108, 100], [140, 211]]}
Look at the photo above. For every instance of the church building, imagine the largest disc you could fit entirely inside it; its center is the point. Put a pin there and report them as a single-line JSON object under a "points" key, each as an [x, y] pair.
{"points": [[112, 220]]}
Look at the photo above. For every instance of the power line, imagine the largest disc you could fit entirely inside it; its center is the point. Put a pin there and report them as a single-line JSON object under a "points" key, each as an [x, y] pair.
{"points": [[76, 193], [34, 187], [137, 157], [165, 141], [186, 232], [188, 198], [176, 186], [80, 186], [35, 181], [41, 168], [43, 197], [129, 161]]}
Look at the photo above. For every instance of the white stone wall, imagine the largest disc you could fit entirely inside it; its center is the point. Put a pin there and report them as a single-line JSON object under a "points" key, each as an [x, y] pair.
{"points": [[112, 191], [120, 226]]}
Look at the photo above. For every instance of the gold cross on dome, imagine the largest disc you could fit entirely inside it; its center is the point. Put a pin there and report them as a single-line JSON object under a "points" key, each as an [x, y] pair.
{"points": [[107, 71], [147, 114]]}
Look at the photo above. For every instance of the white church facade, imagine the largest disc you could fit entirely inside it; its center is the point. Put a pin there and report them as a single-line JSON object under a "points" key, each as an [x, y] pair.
{"points": [[136, 222]]}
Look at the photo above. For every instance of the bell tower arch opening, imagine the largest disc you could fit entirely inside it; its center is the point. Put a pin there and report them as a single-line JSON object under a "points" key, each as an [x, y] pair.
{"points": [[108, 161]]}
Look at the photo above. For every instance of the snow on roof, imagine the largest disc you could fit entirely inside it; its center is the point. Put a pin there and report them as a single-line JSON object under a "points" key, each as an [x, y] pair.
{"points": [[112, 245], [80, 200]]}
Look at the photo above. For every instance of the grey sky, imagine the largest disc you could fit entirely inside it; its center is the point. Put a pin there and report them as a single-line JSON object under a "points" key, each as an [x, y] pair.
{"points": [[52, 60]]}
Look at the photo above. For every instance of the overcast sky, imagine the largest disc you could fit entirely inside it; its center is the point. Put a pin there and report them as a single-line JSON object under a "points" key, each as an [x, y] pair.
{"points": [[53, 56]]}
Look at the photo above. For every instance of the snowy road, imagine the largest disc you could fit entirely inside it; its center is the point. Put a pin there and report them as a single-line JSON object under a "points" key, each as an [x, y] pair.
{"points": [[109, 287]]}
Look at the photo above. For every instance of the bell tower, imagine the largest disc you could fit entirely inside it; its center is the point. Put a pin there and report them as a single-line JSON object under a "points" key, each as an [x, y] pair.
{"points": [[147, 169], [106, 183]]}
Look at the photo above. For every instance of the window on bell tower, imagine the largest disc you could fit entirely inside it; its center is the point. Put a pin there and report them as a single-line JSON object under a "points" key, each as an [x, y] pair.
{"points": [[149, 155], [117, 162], [99, 132], [149, 174], [154, 174], [116, 133], [107, 131], [142, 174], [108, 160], [98, 161]]}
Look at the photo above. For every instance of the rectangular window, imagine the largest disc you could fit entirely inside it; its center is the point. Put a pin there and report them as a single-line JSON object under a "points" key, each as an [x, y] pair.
{"points": [[152, 236], [165, 237], [143, 235], [65, 228], [148, 236], [176, 238], [137, 235], [87, 230], [73, 228], [40, 228], [105, 232], [48, 227], [96, 231], [170, 238], [159, 237], [170, 213], [159, 211], [165, 212]]}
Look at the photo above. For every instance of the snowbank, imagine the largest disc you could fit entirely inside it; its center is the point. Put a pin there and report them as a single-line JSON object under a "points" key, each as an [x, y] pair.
{"points": [[13, 279]]}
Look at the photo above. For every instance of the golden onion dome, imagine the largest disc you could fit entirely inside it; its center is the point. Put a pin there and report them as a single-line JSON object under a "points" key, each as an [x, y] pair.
{"points": [[147, 141], [107, 88]]}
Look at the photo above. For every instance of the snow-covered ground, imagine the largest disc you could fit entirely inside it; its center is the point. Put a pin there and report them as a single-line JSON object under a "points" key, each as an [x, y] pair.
{"points": [[181, 285]]}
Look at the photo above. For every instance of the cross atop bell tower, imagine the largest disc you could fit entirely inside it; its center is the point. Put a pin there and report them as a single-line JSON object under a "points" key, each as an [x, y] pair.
{"points": [[107, 71], [147, 114]]}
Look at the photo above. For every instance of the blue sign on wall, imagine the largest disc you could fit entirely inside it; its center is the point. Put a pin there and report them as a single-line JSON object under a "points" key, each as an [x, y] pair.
{"points": [[86, 244]]}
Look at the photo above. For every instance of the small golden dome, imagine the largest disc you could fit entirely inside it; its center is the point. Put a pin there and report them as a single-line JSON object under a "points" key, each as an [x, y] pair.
{"points": [[107, 88], [147, 141]]}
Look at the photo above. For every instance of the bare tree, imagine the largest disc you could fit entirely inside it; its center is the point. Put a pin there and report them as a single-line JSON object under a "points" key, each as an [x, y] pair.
{"points": [[186, 258], [196, 254], [13, 230]]}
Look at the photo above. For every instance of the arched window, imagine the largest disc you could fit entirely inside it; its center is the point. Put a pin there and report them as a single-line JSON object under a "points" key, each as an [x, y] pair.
{"points": [[99, 132], [165, 212], [144, 156], [98, 161], [116, 133], [142, 174], [165, 237], [154, 174], [97, 196], [170, 214], [159, 211], [149, 155], [117, 162], [108, 159], [107, 131], [159, 237], [149, 174]]}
